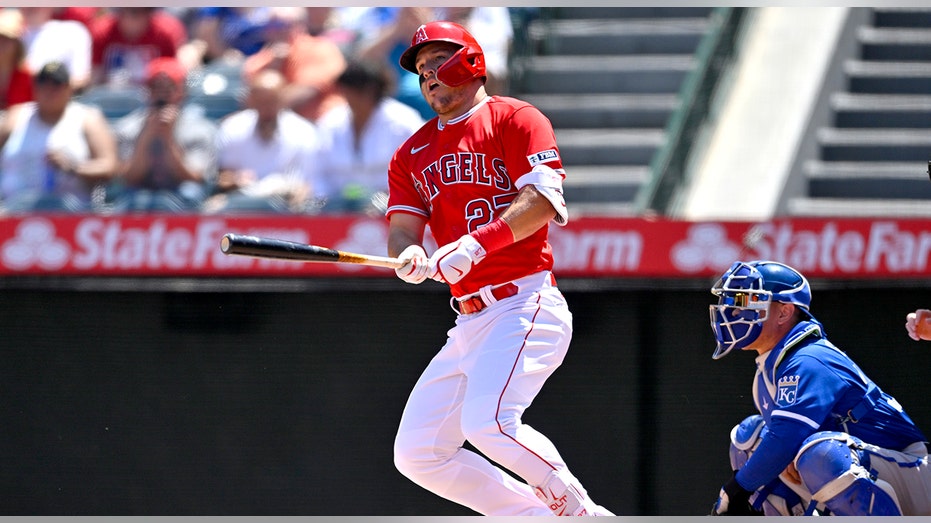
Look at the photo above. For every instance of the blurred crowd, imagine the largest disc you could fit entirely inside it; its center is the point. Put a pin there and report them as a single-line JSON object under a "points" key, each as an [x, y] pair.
{"points": [[214, 109]]}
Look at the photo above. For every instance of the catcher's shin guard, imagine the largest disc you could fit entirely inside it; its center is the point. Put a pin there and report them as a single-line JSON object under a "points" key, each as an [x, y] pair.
{"points": [[837, 473]]}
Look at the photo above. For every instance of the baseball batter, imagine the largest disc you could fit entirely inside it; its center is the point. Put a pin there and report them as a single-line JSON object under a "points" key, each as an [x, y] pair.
{"points": [[839, 442], [486, 176]]}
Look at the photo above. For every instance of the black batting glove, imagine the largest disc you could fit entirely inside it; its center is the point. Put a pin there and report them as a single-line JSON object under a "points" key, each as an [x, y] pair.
{"points": [[734, 500]]}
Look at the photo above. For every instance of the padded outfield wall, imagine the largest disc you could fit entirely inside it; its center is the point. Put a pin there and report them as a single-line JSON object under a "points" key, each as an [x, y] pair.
{"points": [[280, 397]]}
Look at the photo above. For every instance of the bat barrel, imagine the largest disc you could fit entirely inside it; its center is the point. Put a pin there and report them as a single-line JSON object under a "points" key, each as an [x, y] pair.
{"points": [[287, 250]]}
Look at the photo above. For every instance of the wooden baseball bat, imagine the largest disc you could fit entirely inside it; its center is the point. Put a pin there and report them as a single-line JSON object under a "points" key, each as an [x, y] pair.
{"points": [[287, 250]]}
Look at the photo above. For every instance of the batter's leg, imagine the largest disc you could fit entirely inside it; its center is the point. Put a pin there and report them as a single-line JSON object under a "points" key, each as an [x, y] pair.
{"points": [[510, 360], [428, 447]]}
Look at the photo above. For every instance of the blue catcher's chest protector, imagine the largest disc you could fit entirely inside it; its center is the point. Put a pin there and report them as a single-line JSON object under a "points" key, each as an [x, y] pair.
{"points": [[806, 385], [809, 380]]}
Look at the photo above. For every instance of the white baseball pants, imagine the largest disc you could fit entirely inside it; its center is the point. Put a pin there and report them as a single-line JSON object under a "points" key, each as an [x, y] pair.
{"points": [[476, 388]]}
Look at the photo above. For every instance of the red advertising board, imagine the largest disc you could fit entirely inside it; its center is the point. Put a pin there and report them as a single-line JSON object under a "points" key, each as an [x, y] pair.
{"points": [[188, 245]]}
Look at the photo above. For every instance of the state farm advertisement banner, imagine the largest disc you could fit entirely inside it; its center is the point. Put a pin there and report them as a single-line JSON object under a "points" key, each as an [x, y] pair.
{"points": [[189, 245]]}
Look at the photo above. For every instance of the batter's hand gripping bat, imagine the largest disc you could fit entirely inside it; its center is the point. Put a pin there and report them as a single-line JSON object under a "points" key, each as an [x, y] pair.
{"points": [[287, 250]]}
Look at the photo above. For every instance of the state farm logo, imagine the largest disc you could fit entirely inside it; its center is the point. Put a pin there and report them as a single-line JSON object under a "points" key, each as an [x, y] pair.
{"points": [[35, 245], [98, 244], [619, 251], [878, 246], [706, 246]]}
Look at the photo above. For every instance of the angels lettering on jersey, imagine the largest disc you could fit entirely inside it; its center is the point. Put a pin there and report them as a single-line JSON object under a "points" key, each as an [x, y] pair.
{"points": [[464, 168]]}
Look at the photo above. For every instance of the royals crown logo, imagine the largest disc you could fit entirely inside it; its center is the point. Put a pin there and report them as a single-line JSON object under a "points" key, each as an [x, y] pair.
{"points": [[787, 391]]}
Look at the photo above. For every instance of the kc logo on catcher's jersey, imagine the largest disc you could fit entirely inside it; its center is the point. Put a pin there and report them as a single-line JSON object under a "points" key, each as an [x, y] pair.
{"points": [[787, 390]]}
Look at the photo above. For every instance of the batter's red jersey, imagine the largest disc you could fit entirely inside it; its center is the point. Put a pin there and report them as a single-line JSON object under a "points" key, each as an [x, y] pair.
{"points": [[461, 176]]}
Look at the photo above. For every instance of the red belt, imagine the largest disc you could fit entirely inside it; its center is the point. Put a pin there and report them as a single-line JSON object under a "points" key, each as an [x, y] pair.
{"points": [[476, 303]]}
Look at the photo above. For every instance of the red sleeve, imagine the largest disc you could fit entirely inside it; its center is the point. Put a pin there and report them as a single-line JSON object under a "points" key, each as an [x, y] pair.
{"points": [[85, 15], [100, 36], [531, 142], [402, 191], [20, 88], [175, 35]]}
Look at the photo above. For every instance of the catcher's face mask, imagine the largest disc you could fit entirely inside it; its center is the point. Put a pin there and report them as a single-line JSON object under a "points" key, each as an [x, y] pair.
{"points": [[743, 305], [745, 293]]}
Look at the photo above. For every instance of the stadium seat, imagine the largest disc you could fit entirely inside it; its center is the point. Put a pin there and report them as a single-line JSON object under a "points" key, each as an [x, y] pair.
{"points": [[115, 102], [217, 106]]}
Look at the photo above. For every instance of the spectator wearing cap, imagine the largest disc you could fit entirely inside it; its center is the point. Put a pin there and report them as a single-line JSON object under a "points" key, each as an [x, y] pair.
{"points": [[128, 38], [266, 153], [309, 63], [56, 152], [15, 79], [166, 147], [361, 139]]}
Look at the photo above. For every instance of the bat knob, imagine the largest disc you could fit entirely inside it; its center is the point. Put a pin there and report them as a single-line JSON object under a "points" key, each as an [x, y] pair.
{"points": [[225, 244]]}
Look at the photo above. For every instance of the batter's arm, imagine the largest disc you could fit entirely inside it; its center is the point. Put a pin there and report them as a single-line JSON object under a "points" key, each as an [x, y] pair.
{"points": [[404, 230], [529, 211]]}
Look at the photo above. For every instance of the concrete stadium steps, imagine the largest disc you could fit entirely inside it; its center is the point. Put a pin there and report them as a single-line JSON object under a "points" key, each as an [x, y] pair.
{"points": [[584, 147], [619, 37], [594, 13], [873, 158], [888, 77], [608, 79], [902, 17], [859, 208], [870, 110], [604, 184], [606, 109], [895, 44], [898, 180], [607, 74], [621, 209], [875, 145]]}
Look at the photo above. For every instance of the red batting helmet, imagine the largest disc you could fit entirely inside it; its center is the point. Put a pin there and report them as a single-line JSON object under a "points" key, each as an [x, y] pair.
{"points": [[465, 64]]}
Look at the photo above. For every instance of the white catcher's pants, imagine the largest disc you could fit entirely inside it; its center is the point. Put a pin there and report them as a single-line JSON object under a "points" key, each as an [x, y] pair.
{"points": [[476, 388]]}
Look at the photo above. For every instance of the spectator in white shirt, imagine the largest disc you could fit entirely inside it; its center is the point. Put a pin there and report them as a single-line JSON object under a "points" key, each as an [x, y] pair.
{"points": [[265, 153], [49, 40], [54, 152], [362, 137]]}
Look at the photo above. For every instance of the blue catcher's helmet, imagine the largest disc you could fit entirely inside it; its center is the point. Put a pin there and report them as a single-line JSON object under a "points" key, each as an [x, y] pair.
{"points": [[745, 293]]}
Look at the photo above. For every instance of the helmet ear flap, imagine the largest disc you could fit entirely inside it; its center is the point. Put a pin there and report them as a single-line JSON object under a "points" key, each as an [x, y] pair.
{"points": [[464, 65]]}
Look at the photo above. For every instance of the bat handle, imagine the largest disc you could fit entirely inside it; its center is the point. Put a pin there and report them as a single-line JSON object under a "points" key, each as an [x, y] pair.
{"points": [[376, 261]]}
